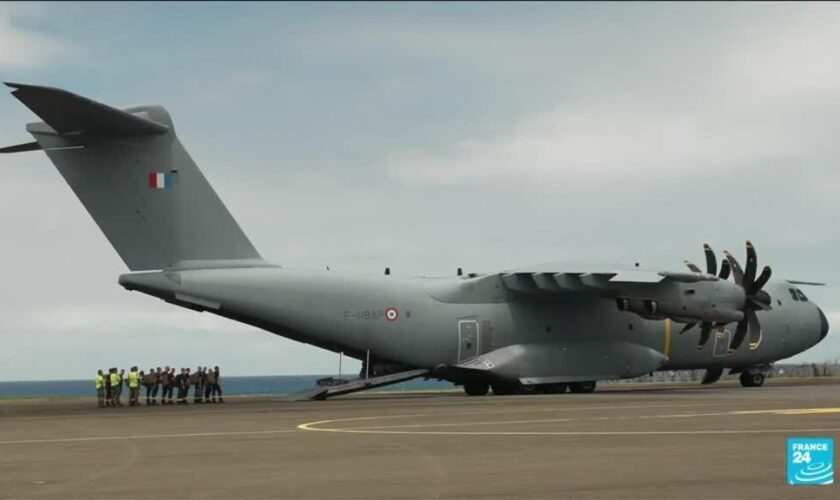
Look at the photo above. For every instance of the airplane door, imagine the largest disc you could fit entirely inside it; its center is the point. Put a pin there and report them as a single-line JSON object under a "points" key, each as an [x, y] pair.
{"points": [[467, 339], [722, 339]]}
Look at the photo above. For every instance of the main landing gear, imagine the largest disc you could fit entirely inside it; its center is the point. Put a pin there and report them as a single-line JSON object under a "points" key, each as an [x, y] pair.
{"points": [[476, 388], [752, 379], [582, 387]]}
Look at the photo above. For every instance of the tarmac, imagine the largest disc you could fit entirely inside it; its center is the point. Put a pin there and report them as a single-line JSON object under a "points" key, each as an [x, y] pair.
{"points": [[624, 441]]}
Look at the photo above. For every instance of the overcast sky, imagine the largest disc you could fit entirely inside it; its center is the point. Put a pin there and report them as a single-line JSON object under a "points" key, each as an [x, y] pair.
{"points": [[424, 137]]}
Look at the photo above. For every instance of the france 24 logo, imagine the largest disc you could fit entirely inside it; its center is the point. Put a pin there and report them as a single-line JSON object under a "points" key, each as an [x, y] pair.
{"points": [[810, 461]]}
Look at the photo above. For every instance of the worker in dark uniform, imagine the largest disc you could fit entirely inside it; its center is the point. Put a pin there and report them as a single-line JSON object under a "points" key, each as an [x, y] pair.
{"points": [[217, 390], [179, 384], [158, 377], [100, 389], [187, 381], [133, 386], [148, 381], [204, 382], [171, 385], [164, 385], [195, 380], [209, 385]]}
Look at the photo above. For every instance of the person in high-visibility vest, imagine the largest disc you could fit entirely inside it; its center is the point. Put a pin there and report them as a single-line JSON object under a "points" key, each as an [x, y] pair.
{"points": [[114, 378], [133, 386], [100, 389]]}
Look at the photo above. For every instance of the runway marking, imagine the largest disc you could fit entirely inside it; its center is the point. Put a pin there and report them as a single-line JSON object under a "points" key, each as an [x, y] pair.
{"points": [[566, 433], [391, 429], [458, 424], [145, 436], [794, 411], [307, 427]]}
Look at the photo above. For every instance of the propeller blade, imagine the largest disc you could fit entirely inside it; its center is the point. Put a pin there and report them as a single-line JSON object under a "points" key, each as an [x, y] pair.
{"points": [[737, 273], [752, 264], [755, 329], [740, 333], [686, 328], [705, 331], [711, 261], [690, 265], [724, 270], [762, 280]]}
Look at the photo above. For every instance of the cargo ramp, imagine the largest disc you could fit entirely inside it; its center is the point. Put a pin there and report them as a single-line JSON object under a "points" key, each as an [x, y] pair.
{"points": [[357, 385]]}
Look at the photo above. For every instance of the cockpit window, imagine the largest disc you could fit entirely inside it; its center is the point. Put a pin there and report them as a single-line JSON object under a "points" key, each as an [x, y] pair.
{"points": [[801, 295], [793, 294]]}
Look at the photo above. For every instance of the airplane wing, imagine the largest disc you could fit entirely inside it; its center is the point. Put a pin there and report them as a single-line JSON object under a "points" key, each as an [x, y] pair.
{"points": [[598, 283], [682, 296]]}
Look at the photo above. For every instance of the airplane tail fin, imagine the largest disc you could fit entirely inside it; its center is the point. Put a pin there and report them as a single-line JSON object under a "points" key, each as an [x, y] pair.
{"points": [[136, 180]]}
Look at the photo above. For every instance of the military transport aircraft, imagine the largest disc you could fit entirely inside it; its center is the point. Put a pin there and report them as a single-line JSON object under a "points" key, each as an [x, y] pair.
{"points": [[541, 329]]}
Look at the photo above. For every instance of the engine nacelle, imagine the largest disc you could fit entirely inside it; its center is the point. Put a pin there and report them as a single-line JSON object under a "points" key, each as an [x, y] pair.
{"points": [[648, 309], [712, 301]]}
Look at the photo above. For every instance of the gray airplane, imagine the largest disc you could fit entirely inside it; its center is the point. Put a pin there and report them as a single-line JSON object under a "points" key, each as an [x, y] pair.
{"points": [[541, 329]]}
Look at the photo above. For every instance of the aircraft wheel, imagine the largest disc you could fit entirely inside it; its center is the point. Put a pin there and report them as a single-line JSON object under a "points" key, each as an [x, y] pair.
{"points": [[752, 379], [503, 389], [476, 388], [555, 388], [582, 387], [528, 389]]}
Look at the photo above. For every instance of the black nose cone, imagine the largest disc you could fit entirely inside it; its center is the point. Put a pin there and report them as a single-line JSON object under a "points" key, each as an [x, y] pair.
{"points": [[823, 324]]}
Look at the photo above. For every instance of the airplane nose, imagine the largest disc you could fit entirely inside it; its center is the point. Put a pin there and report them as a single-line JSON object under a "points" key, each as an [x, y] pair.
{"points": [[823, 324]]}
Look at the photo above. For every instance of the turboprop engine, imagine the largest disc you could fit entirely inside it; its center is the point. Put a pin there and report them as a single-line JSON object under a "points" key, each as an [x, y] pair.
{"points": [[707, 300]]}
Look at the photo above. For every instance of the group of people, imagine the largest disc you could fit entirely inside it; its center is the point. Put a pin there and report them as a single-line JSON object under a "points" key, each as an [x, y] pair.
{"points": [[206, 383]]}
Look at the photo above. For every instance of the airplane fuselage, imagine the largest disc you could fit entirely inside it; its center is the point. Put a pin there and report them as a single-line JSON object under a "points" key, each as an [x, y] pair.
{"points": [[447, 323]]}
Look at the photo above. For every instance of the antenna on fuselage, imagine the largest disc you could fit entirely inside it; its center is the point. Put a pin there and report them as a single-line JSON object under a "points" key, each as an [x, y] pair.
{"points": [[387, 271], [460, 272]]}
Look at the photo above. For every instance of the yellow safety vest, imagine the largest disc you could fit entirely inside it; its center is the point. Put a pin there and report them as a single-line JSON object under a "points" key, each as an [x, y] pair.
{"points": [[100, 381], [115, 380], [133, 380]]}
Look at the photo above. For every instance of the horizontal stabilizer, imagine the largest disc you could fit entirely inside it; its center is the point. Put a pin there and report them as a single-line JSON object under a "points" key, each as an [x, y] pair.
{"points": [[20, 148], [66, 112], [36, 146]]}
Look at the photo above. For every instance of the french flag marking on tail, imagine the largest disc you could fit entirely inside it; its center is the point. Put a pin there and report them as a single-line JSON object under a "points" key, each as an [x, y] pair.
{"points": [[161, 180]]}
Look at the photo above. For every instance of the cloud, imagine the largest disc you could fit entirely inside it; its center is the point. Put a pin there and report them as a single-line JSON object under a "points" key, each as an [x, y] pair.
{"points": [[768, 100], [789, 55], [616, 143], [22, 47], [226, 90]]}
